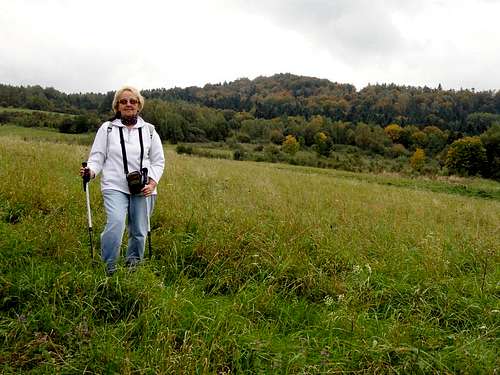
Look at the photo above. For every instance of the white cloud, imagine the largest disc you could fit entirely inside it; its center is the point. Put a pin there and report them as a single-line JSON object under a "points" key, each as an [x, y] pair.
{"points": [[100, 45]]}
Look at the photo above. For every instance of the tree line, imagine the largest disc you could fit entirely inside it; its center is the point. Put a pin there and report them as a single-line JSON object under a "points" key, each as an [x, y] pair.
{"points": [[297, 113], [291, 95]]}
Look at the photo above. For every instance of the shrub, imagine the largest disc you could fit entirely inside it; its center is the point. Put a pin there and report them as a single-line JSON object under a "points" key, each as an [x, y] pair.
{"points": [[238, 154], [466, 157], [290, 145], [420, 139], [5, 117], [276, 136], [212, 153], [243, 137], [272, 153], [397, 150], [491, 142], [304, 158], [394, 132], [75, 125], [322, 143], [417, 161], [182, 149]]}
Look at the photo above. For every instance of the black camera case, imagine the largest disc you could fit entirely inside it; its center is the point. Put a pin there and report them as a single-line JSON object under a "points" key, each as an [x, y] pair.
{"points": [[135, 182]]}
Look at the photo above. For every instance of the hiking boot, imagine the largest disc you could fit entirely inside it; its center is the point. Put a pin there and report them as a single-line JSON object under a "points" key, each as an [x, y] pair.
{"points": [[110, 270], [132, 264]]}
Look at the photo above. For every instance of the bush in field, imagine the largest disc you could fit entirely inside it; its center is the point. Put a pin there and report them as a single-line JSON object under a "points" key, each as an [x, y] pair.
{"points": [[272, 153], [211, 153], [394, 132], [466, 157], [5, 117], [371, 137], [397, 150], [290, 145], [33, 119], [478, 122], [341, 133], [420, 139], [323, 144], [405, 137], [181, 149], [491, 142], [417, 161], [75, 125], [243, 137], [276, 136], [239, 153], [304, 158], [436, 139]]}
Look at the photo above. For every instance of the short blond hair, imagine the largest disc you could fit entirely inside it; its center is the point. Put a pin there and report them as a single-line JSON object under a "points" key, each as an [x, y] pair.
{"points": [[134, 91]]}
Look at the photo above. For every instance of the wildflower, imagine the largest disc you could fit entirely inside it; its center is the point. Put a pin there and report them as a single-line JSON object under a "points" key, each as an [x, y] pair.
{"points": [[356, 269], [340, 297], [368, 268], [329, 300]]}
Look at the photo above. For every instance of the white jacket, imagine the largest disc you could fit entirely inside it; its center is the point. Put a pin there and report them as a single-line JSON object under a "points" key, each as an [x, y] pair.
{"points": [[106, 154]]}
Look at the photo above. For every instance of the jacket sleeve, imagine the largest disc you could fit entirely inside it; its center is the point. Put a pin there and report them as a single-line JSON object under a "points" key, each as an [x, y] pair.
{"points": [[156, 158], [98, 152]]}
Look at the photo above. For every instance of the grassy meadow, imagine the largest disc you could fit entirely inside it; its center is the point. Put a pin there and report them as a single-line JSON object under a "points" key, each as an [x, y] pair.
{"points": [[257, 268]]}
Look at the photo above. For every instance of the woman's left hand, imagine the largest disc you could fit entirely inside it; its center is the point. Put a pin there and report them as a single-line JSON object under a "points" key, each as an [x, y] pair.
{"points": [[148, 189]]}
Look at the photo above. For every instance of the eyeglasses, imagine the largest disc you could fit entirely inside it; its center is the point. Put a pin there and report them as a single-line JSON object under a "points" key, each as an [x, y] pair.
{"points": [[131, 101]]}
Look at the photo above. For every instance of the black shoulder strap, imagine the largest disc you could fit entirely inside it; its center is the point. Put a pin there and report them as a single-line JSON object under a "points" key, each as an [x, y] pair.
{"points": [[142, 146], [124, 152]]}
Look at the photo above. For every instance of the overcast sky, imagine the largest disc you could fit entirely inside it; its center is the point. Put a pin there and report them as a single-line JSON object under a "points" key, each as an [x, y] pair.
{"points": [[99, 45]]}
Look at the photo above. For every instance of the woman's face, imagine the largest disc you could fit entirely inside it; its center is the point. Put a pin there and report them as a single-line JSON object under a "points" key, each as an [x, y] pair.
{"points": [[128, 104]]}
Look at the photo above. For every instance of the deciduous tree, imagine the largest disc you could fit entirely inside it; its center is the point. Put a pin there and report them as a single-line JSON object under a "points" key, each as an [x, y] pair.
{"points": [[466, 157]]}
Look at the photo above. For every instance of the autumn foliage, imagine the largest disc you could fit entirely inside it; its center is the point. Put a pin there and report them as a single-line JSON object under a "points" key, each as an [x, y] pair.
{"points": [[417, 160], [290, 145], [466, 157]]}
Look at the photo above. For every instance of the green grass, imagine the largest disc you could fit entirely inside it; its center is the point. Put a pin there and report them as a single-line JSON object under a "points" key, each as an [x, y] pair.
{"points": [[45, 135], [472, 187], [258, 268]]}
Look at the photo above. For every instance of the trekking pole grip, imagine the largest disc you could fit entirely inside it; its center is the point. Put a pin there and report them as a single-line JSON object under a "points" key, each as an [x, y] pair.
{"points": [[86, 175]]}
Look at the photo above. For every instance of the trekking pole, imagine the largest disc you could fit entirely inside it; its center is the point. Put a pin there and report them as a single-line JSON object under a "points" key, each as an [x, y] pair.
{"points": [[145, 176], [149, 229], [86, 179]]}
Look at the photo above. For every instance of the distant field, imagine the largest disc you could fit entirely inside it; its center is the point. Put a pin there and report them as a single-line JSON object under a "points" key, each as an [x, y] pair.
{"points": [[257, 268], [25, 110], [45, 135]]}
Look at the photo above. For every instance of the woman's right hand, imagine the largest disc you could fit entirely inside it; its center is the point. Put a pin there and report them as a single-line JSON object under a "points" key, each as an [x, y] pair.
{"points": [[84, 170]]}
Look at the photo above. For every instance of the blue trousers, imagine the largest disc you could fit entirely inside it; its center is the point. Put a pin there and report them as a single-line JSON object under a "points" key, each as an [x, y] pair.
{"points": [[118, 206]]}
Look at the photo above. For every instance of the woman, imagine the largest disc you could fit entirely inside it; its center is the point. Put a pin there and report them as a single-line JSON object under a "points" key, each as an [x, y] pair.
{"points": [[117, 152]]}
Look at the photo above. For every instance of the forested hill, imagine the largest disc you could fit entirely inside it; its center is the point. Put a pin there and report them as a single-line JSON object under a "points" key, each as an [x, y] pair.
{"points": [[291, 95], [287, 94], [281, 90]]}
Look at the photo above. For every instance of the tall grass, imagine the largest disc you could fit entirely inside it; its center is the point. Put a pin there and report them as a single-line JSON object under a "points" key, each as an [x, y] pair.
{"points": [[257, 268]]}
